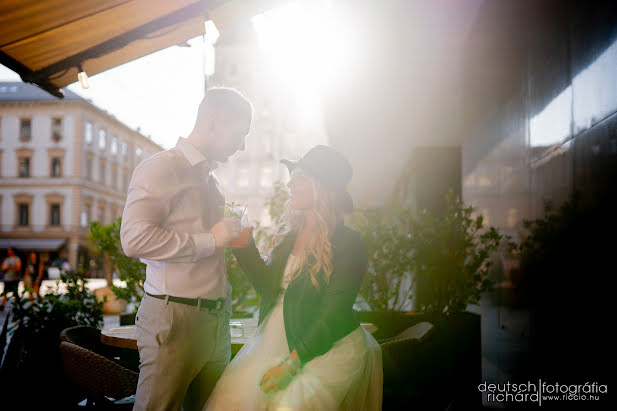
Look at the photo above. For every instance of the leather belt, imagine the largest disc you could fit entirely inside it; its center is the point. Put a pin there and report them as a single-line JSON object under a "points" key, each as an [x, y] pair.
{"points": [[202, 303]]}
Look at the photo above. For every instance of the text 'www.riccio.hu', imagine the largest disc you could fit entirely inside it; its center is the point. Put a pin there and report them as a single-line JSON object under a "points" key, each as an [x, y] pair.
{"points": [[541, 392]]}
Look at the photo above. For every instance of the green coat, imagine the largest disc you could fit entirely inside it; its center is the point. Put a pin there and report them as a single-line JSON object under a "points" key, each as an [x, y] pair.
{"points": [[314, 318]]}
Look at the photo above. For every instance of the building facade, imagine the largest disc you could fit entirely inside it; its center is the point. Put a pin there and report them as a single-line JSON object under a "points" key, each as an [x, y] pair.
{"points": [[63, 164]]}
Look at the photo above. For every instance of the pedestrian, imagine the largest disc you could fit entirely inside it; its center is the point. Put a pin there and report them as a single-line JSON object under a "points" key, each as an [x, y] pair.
{"points": [[11, 267], [33, 275]]}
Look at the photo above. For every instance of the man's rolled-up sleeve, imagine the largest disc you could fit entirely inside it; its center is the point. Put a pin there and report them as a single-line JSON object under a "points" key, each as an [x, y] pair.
{"points": [[147, 206]]}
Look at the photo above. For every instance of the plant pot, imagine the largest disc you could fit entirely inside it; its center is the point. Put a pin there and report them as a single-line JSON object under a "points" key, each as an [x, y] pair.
{"points": [[443, 369], [113, 305]]}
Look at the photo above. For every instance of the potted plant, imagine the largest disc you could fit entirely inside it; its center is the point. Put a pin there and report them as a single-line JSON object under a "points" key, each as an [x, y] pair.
{"points": [[451, 258], [451, 261], [385, 296], [441, 265], [30, 340]]}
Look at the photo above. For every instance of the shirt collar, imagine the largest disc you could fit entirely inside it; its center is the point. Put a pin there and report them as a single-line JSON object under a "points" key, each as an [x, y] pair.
{"points": [[192, 155]]}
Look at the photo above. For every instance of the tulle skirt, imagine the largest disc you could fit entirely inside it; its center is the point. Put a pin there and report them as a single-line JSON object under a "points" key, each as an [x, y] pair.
{"points": [[348, 377]]}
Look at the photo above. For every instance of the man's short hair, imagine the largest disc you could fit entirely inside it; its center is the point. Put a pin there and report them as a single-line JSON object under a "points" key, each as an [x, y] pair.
{"points": [[227, 103]]}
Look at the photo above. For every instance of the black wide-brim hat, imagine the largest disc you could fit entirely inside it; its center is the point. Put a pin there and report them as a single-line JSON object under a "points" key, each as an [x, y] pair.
{"points": [[330, 168]]}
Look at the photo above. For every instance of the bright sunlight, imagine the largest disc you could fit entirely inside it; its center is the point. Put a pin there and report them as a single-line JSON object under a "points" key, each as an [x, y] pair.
{"points": [[308, 48]]}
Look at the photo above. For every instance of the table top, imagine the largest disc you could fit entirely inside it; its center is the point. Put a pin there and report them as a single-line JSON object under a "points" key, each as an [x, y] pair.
{"points": [[126, 336], [122, 337]]}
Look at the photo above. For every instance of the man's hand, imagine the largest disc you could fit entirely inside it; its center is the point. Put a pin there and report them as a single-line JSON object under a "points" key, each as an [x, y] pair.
{"points": [[225, 230], [276, 378]]}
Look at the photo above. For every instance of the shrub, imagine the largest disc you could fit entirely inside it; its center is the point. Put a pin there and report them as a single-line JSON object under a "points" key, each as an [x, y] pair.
{"points": [[32, 333], [106, 239]]}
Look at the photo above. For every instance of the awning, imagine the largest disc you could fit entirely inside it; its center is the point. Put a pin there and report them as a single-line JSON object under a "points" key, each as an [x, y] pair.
{"points": [[32, 244], [48, 42]]}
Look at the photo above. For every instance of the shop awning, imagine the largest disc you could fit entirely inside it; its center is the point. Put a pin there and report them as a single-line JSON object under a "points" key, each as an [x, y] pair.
{"points": [[48, 42], [32, 244]]}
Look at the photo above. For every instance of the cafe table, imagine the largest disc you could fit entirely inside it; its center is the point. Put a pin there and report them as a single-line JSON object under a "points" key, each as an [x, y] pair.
{"points": [[242, 330]]}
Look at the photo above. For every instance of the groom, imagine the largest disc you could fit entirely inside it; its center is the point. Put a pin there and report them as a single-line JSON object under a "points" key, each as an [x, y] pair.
{"points": [[173, 221]]}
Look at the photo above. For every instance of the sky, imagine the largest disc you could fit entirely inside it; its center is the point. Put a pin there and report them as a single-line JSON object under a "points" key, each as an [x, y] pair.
{"points": [[158, 93]]}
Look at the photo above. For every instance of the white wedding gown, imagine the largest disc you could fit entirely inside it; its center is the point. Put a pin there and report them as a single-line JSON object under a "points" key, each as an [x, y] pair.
{"points": [[348, 377]]}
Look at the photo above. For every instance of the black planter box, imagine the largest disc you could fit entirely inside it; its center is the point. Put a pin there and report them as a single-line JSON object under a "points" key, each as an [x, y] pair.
{"points": [[442, 371]]}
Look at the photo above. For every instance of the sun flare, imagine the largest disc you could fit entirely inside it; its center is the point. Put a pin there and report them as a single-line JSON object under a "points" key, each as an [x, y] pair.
{"points": [[307, 47]]}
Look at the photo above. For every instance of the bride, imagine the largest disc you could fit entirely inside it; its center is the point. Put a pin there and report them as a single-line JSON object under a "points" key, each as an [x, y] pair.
{"points": [[309, 351]]}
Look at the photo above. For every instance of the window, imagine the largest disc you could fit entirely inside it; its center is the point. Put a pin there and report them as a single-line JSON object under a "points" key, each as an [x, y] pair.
{"points": [[138, 153], [86, 215], [101, 216], [102, 139], [89, 132], [56, 129], [24, 214], [102, 171], [125, 149], [114, 176], [114, 145], [24, 161], [125, 180], [56, 158], [221, 174], [25, 129], [23, 208], [266, 177], [243, 178], [54, 214], [54, 202], [24, 167], [83, 219], [89, 161], [512, 217], [56, 167], [113, 211]]}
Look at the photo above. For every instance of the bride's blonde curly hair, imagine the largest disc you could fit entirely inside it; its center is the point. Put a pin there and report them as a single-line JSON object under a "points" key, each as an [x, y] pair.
{"points": [[318, 252]]}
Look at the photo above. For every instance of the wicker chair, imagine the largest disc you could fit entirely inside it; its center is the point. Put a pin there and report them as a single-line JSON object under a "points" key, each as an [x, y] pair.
{"points": [[90, 338], [96, 368]]}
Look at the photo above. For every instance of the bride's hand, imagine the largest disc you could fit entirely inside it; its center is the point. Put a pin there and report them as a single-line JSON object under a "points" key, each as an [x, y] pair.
{"points": [[242, 240], [276, 378]]}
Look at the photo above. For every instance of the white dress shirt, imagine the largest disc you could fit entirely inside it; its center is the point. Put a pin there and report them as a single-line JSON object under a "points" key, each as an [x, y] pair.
{"points": [[173, 201]]}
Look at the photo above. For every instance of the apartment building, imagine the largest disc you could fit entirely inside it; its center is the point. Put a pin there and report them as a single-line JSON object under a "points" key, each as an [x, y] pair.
{"points": [[63, 163]]}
